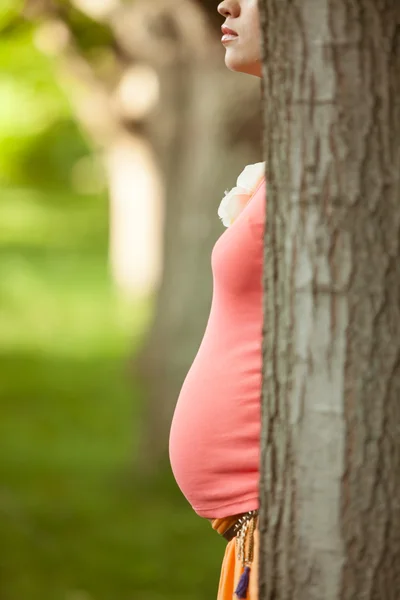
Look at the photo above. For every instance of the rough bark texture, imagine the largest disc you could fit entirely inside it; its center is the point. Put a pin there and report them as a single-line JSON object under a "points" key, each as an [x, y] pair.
{"points": [[330, 481]]}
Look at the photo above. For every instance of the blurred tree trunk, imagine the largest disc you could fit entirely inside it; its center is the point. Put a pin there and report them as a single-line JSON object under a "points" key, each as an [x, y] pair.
{"points": [[215, 138], [330, 482], [136, 213], [113, 93]]}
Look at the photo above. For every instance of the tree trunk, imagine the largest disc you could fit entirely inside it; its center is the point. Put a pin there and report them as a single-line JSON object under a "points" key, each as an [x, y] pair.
{"points": [[330, 473], [136, 214]]}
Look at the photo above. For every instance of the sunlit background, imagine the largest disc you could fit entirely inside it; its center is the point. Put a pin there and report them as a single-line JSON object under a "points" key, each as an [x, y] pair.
{"points": [[120, 129]]}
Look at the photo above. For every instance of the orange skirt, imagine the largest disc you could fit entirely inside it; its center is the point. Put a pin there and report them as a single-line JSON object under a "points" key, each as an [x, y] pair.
{"points": [[232, 565]]}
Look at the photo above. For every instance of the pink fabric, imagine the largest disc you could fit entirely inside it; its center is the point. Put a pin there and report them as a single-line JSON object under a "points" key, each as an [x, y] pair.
{"points": [[215, 432]]}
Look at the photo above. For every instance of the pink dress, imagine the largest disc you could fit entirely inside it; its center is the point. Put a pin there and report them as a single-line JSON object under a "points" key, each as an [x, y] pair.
{"points": [[214, 441]]}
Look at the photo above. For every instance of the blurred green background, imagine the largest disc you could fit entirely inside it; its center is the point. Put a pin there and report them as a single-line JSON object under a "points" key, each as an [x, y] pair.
{"points": [[76, 522]]}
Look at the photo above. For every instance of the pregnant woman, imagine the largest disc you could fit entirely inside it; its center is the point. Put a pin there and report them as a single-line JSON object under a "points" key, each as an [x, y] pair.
{"points": [[215, 432]]}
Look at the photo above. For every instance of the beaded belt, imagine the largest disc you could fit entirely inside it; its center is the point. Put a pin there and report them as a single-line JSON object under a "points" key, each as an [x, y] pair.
{"points": [[245, 524], [237, 526]]}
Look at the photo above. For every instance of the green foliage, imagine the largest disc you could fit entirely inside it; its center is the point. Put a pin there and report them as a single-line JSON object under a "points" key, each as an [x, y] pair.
{"points": [[9, 13], [75, 524], [46, 159], [90, 35], [40, 140]]}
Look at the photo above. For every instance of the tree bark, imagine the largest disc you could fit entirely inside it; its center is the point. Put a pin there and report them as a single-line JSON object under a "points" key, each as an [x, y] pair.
{"points": [[330, 469]]}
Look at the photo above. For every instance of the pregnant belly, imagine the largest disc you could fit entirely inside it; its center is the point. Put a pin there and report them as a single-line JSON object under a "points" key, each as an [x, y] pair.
{"points": [[215, 433]]}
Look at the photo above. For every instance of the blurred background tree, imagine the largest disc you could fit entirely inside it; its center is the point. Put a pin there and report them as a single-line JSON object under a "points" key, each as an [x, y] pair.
{"points": [[168, 121], [120, 129]]}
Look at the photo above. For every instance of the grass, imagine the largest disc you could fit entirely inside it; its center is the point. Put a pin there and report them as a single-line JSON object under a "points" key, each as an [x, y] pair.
{"points": [[75, 522]]}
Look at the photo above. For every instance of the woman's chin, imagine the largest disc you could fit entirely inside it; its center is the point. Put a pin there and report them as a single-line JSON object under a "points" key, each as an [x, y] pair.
{"points": [[232, 63], [240, 67]]}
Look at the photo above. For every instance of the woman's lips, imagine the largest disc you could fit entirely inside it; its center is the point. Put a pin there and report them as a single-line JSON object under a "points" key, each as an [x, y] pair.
{"points": [[229, 34]]}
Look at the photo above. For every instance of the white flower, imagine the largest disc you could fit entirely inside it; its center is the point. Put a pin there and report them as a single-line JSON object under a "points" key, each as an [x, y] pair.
{"points": [[236, 199], [232, 205], [250, 177]]}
